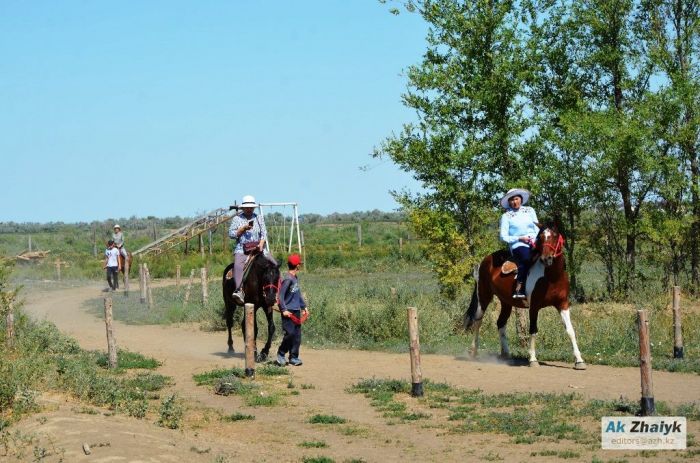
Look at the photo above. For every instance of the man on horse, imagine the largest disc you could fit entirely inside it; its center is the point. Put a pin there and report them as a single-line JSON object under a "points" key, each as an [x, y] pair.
{"points": [[250, 233], [518, 228]]}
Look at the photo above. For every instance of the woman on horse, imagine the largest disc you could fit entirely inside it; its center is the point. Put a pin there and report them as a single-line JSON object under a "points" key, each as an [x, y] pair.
{"points": [[248, 229], [519, 230]]}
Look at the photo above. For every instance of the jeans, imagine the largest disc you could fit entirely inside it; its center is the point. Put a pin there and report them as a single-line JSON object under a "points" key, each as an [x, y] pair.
{"points": [[522, 257], [113, 277], [291, 342]]}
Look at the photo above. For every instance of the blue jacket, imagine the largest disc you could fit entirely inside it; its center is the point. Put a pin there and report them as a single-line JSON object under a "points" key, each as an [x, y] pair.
{"points": [[290, 294], [515, 224]]}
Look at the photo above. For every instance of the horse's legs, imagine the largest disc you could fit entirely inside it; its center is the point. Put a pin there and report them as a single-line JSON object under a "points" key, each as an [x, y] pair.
{"points": [[484, 297], [566, 318], [501, 323], [270, 333], [534, 312], [229, 326]]}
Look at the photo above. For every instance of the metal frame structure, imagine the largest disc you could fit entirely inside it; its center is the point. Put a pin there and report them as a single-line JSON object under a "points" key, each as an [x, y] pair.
{"points": [[208, 222]]}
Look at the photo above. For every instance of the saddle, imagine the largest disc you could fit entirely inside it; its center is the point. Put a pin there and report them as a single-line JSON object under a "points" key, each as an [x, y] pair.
{"points": [[509, 267]]}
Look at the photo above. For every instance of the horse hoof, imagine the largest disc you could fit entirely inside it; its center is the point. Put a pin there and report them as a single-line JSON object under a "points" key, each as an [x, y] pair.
{"points": [[580, 366], [534, 363], [504, 357], [260, 358], [231, 350]]}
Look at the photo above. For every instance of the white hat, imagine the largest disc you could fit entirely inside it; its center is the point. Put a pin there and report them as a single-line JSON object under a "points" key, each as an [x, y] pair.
{"points": [[117, 226], [248, 201], [515, 192]]}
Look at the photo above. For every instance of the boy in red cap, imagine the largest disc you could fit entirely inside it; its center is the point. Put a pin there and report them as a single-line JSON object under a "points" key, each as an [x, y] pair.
{"points": [[292, 305]]}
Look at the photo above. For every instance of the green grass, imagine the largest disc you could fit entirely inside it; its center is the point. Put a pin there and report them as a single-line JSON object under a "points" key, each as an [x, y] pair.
{"points": [[238, 417], [44, 359], [525, 417], [326, 419], [313, 445]]}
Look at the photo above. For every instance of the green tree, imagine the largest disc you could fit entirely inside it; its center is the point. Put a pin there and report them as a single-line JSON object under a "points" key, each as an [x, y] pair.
{"points": [[466, 147], [672, 32]]}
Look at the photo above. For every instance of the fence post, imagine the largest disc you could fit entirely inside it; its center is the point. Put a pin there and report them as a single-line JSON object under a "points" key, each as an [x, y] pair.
{"points": [[149, 292], [111, 343], [142, 283], [10, 328], [400, 246], [177, 276], [58, 270], [359, 235], [414, 345], [677, 332], [250, 341], [647, 401], [189, 287], [205, 287], [521, 322], [126, 277]]}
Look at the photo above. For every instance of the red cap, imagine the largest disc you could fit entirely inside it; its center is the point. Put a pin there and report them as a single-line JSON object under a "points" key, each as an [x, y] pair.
{"points": [[294, 259]]}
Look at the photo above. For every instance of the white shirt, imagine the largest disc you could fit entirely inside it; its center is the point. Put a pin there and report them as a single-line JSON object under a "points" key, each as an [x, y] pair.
{"points": [[112, 255]]}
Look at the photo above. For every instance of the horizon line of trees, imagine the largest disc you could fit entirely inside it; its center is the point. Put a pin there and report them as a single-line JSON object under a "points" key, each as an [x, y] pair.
{"points": [[593, 105]]}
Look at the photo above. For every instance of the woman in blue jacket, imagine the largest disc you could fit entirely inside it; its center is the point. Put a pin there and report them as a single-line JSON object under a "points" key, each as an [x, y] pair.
{"points": [[519, 230]]}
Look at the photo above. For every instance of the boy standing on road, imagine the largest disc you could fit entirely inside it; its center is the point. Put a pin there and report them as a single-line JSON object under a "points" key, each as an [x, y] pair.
{"points": [[292, 305], [112, 266]]}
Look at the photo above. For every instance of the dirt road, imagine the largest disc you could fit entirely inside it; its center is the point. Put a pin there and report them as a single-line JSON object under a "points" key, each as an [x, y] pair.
{"points": [[276, 431]]}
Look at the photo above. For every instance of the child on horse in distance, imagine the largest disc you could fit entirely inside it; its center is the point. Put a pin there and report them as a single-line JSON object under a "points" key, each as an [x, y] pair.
{"points": [[294, 312], [518, 228]]}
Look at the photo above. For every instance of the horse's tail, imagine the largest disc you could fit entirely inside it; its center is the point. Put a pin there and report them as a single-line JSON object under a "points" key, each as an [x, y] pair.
{"points": [[471, 313]]}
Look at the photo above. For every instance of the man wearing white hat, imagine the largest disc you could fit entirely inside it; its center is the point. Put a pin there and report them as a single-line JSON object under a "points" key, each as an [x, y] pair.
{"points": [[519, 229], [250, 233], [118, 238]]}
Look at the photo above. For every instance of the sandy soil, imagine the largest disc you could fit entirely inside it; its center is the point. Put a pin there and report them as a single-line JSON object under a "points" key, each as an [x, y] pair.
{"points": [[276, 431]]}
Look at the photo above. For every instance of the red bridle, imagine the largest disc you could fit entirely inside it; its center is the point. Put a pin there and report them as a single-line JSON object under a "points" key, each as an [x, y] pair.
{"points": [[557, 249], [277, 289]]}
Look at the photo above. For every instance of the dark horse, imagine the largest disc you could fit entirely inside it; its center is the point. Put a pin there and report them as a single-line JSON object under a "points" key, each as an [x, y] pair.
{"points": [[547, 284], [261, 287]]}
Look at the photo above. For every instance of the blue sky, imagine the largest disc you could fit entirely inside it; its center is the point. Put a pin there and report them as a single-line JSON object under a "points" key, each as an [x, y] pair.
{"points": [[174, 108]]}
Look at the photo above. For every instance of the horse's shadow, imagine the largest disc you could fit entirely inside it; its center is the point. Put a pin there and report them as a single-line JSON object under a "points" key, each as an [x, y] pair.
{"points": [[497, 359], [230, 355]]}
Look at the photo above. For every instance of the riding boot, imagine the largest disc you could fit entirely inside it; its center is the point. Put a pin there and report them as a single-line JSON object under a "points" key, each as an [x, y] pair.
{"points": [[519, 291], [239, 296]]}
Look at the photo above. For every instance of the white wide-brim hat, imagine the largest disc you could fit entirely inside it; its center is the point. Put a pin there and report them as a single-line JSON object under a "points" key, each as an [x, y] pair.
{"points": [[248, 201], [117, 226], [515, 192]]}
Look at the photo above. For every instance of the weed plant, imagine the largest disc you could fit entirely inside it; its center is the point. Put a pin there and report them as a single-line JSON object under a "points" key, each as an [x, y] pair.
{"points": [[526, 417], [44, 359]]}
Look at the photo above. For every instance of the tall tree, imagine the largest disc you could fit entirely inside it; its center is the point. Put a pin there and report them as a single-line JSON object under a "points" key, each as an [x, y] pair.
{"points": [[672, 30], [467, 143]]}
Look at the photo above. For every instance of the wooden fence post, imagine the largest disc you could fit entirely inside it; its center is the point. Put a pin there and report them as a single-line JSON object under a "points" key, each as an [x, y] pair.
{"points": [[126, 277], [677, 332], [189, 287], [359, 235], [647, 401], [149, 292], [250, 341], [177, 276], [111, 342], [142, 283], [205, 287], [416, 374], [201, 246], [10, 327], [400, 246], [521, 325], [58, 270]]}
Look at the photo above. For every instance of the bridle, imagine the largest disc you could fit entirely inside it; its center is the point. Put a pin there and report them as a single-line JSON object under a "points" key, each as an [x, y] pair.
{"points": [[557, 249], [276, 287]]}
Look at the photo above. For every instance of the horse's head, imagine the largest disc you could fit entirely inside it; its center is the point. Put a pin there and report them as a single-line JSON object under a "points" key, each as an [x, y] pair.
{"points": [[270, 281], [550, 244]]}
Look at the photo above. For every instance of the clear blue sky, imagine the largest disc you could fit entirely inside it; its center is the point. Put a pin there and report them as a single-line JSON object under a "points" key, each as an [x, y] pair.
{"points": [[176, 107]]}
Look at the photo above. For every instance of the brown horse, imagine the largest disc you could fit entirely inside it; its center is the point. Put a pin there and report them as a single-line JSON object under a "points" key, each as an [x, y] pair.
{"points": [[547, 284], [121, 262]]}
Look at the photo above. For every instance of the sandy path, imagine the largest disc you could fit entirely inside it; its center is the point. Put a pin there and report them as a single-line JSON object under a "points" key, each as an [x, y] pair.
{"points": [[185, 350]]}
